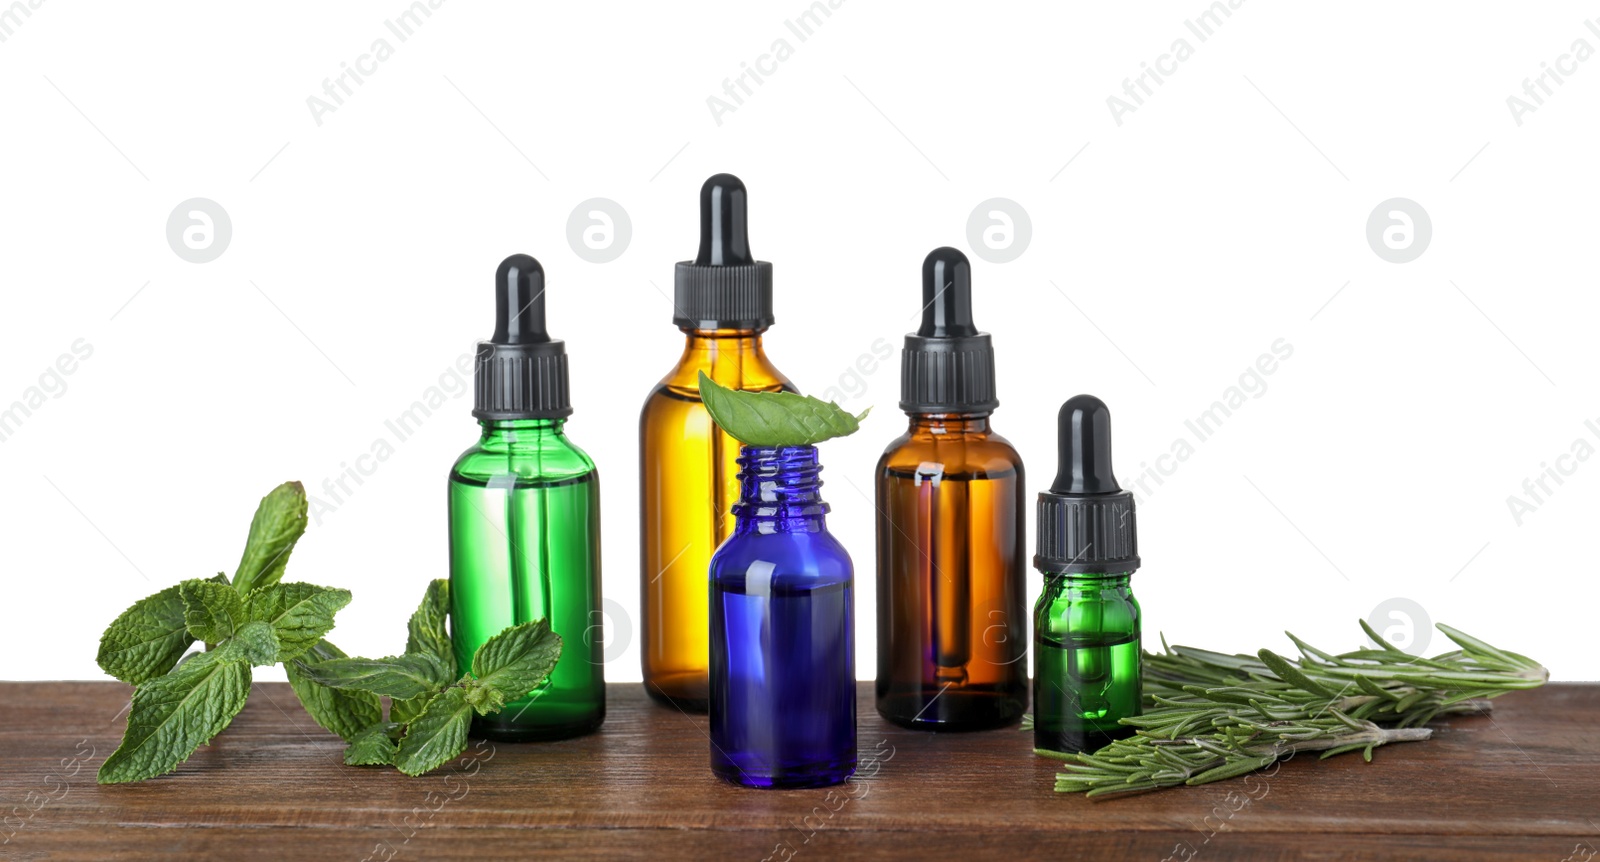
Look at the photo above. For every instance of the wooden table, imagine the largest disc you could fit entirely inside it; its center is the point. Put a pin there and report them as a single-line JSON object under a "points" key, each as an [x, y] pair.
{"points": [[1522, 784]]}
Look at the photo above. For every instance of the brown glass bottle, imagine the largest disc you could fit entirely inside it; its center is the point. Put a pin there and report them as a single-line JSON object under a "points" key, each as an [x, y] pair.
{"points": [[952, 608], [688, 468]]}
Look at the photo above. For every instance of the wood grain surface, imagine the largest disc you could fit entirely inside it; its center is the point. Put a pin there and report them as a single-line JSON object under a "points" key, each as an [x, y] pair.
{"points": [[1523, 783]]}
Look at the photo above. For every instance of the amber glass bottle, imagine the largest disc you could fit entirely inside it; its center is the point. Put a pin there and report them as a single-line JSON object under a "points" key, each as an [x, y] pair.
{"points": [[952, 613], [689, 473]]}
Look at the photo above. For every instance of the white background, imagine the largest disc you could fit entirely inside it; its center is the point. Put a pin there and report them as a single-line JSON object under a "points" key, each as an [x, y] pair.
{"points": [[1167, 253]]}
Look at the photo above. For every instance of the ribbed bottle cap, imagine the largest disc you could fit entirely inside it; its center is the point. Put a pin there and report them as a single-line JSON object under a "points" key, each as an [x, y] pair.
{"points": [[947, 365], [1086, 521], [521, 371], [724, 287]]}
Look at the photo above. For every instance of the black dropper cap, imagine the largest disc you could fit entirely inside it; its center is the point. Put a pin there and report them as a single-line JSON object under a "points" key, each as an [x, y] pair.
{"points": [[724, 287], [521, 371], [947, 365], [1086, 521]]}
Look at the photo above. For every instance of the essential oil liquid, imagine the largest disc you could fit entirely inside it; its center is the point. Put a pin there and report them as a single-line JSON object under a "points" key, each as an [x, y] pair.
{"points": [[1081, 688], [785, 653], [523, 550], [951, 610]]}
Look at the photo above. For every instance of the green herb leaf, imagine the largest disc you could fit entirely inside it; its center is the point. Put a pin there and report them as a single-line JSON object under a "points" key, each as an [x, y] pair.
{"points": [[147, 639], [1232, 769], [254, 642], [406, 711], [1378, 639], [1282, 669], [279, 522], [346, 712], [212, 611], [438, 735], [373, 746], [426, 632], [173, 715], [513, 663], [775, 419], [399, 677], [300, 614]]}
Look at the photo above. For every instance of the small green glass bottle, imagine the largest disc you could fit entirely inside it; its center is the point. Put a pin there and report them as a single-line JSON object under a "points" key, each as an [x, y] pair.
{"points": [[1086, 623], [525, 519]]}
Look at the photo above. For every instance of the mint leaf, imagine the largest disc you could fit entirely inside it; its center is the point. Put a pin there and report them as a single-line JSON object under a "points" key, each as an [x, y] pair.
{"points": [[372, 746], [775, 419], [399, 677], [212, 611], [513, 663], [345, 712], [146, 640], [279, 522], [254, 642], [425, 632], [436, 736], [406, 711], [300, 614], [173, 715]]}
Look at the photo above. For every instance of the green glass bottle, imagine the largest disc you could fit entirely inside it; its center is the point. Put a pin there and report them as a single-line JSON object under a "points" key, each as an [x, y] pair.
{"points": [[1086, 675], [525, 519]]}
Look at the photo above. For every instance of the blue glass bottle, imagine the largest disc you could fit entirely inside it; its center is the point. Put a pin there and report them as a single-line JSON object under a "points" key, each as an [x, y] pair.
{"points": [[783, 690]]}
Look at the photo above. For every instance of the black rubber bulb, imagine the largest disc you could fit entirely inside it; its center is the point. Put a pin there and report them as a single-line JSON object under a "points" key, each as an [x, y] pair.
{"points": [[946, 295], [519, 302], [1085, 449], [724, 223]]}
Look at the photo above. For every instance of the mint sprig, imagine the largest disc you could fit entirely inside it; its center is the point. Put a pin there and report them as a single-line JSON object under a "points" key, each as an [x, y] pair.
{"points": [[431, 703], [776, 419], [180, 704]]}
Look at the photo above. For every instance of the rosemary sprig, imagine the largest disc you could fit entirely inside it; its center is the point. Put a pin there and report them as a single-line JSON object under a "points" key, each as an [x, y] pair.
{"points": [[1209, 716]]}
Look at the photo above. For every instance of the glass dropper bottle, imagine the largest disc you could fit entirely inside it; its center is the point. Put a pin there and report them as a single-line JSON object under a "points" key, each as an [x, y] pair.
{"points": [[525, 519], [952, 603], [688, 467], [1086, 622]]}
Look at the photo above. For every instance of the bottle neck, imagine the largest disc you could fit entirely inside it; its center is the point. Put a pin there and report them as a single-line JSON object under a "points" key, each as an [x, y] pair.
{"points": [[779, 491], [1088, 582], [706, 345], [949, 423], [732, 357], [726, 338], [520, 433]]}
